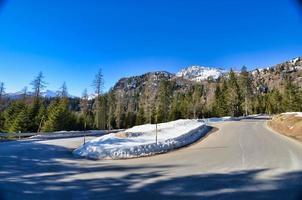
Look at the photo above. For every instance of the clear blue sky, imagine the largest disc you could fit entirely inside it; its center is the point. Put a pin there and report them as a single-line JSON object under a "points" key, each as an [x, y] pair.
{"points": [[70, 39]]}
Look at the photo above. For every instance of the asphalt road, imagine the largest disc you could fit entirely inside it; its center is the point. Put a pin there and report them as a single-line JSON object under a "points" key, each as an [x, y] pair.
{"points": [[242, 160]]}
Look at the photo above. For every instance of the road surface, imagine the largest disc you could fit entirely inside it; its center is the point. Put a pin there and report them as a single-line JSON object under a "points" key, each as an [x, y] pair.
{"points": [[242, 160]]}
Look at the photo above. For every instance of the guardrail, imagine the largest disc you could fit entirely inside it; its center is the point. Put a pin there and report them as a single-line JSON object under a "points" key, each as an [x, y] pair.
{"points": [[7, 135], [54, 135]]}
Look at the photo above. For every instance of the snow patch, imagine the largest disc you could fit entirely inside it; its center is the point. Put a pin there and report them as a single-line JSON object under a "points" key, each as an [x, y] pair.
{"points": [[140, 140], [218, 119], [294, 60], [200, 73], [297, 114]]}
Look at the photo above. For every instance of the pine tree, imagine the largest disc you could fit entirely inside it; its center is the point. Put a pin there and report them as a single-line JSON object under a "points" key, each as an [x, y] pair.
{"points": [[63, 92], [141, 119], [163, 101], [146, 101], [59, 117], [34, 114], [111, 110], [120, 114], [246, 84], [84, 103], [153, 115], [86, 114], [184, 106], [102, 112], [122, 120], [24, 91], [1, 122], [234, 98], [197, 104], [130, 119], [40, 118], [2, 92], [273, 104], [11, 114], [220, 106], [38, 85], [21, 122], [98, 85], [292, 98], [259, 104], [175, 112]]}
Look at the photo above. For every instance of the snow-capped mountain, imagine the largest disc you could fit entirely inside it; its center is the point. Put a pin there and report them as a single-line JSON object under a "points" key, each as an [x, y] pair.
{"points": [[49, 94], [45, 94], [294, 60], [291, 65], [15, 95], [200, 73]]}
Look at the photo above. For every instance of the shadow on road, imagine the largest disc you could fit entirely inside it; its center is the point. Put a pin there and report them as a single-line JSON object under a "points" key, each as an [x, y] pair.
{"points": [[37, 172]]}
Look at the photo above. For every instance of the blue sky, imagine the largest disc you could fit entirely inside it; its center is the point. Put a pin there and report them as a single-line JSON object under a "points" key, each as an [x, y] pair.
{"points": [[70, 39]]}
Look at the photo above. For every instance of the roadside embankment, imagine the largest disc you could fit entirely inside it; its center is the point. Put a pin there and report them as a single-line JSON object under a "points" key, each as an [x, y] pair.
{"points": [[289, 124]]}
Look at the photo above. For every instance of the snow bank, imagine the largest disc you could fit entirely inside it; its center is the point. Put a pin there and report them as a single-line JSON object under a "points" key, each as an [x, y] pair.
{"points": [[228, 118], [297, 114], [140, 140], [218, 119], [70, 134]]}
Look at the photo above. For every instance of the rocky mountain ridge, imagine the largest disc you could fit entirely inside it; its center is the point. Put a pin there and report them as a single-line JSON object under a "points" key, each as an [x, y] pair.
{"points": [[136, 91]]}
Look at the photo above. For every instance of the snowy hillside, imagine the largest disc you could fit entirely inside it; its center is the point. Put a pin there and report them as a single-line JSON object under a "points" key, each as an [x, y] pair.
{"points": [[294, 60], [199, 73], [45, 94], [49, 94], [140, 140]]}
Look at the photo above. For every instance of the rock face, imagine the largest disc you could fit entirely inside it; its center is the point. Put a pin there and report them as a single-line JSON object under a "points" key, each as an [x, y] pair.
{"points": [[200, 73], [141, 90], [273, 76]]}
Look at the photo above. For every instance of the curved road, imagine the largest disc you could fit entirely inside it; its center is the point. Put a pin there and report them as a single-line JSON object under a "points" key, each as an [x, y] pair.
{"points": [[242, 160]]}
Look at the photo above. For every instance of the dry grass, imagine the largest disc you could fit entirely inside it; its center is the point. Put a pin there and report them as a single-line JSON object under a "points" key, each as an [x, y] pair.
{"points": [[289, 125], [127, 134], [121, 135]]}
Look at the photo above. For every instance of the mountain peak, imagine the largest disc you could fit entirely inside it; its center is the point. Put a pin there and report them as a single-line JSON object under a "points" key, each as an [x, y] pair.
{"points": [[45, 94], [200, 73]]}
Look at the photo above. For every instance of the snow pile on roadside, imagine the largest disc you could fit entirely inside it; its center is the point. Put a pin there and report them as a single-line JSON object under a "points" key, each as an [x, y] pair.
{"points": [[218, 119], [140, 140], [297, 114], [228, 118]]}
